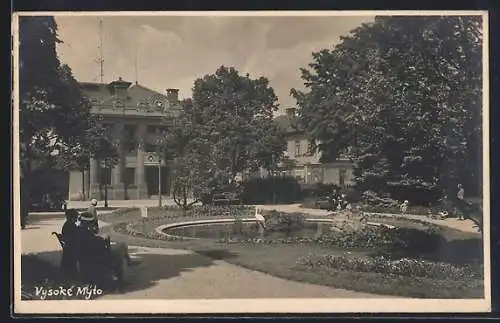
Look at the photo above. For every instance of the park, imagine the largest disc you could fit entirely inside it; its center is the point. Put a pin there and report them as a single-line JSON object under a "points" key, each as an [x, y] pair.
{"points": [[215, 209]]}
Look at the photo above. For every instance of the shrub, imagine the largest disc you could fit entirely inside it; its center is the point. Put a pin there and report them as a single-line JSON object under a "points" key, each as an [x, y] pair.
{"points": [[386, 240], [318, 190], [284, 222], [204, 211], [352, 195], [402, 267], [374, 199]]}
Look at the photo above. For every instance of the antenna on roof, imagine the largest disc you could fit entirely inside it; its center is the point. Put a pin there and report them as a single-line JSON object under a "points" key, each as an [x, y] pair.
{"points": [[136, 55], [135, 65], [100, 60]]}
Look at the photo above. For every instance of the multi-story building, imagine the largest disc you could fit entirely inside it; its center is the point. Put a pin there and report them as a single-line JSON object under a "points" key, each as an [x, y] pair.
{"points": [[306, 166], [135, 117]]}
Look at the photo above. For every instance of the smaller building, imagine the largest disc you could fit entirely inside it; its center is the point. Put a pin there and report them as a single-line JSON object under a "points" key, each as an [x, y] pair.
{"points": [[305, 165]]}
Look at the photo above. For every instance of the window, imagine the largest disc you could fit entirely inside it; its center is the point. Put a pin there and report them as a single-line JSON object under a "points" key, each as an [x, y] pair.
{"points": [[129, 131], [107, 128], [310, 148], [150, 148], [342, 177], [129, 176], [151, 129], [105, 176], [130, 146], [297, 148], [129, 138]]}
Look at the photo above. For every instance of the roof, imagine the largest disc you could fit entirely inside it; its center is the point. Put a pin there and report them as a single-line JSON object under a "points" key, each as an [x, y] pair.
{"points": [[138, 96], [286, 124]]}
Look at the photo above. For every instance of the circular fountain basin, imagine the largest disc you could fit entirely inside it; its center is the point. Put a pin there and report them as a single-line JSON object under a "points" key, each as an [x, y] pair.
{"points": [[197, 223]]}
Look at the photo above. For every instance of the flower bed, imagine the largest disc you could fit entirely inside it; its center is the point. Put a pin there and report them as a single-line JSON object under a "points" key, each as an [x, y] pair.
{"points": [[381, 239], [167, 213], [134, 230], [400, 267]]}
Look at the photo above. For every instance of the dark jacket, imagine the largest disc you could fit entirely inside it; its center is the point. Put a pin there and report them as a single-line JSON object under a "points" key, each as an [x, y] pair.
{"points": [[69, 231], [70, 234], [89, 222]]}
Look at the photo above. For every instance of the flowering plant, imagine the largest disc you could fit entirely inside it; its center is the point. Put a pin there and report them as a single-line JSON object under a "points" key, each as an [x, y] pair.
{"points": [[401, 267]]}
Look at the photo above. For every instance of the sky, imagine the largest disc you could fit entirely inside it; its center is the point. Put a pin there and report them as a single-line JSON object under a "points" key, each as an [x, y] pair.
{"points": [[173, 51]]}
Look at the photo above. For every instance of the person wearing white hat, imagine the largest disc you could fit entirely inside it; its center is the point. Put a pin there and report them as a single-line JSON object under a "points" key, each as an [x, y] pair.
{"points": [[93, 246]]}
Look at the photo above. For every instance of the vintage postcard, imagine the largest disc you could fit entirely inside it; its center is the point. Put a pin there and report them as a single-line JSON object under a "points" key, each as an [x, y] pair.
{"points": [[251, 162]]}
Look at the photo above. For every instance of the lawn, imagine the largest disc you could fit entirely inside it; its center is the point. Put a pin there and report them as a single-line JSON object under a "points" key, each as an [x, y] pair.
{"points": [[293, 261], [281, 261]]}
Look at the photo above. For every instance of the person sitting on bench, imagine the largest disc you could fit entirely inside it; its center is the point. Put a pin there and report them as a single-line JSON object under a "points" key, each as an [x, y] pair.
{"points": [[94, 245], [69, 234]]}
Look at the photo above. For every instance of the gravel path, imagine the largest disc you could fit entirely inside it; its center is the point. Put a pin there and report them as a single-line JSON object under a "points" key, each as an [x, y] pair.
{"points": [[454, 223]]}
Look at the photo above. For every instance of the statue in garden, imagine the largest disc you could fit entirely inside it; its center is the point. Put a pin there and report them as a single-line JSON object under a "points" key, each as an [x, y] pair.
{"points": [[261, 220], [404, 206]]}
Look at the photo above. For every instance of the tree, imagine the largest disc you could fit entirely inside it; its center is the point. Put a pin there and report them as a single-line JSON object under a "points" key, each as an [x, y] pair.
{"points": [[269, 148], [53, 111], [106, 153], [77, 155], [236, 117], [403, 97], [191, 155]]}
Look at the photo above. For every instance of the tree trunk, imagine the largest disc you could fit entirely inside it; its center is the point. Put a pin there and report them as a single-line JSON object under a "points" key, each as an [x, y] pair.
{"points": [[184, 198], [25, 191], [83, 184]]}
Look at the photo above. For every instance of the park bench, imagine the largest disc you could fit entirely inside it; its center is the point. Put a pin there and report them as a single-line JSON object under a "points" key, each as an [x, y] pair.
{"points": [[59, 237], [100, 266], [225, 198]]}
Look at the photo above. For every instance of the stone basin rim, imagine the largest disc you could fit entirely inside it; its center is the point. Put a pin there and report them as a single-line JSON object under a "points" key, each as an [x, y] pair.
{"points": [[161, 229]]}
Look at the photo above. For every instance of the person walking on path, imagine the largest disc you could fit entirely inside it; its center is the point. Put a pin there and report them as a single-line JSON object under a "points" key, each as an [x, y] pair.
{"points": [[92, 209], [462, 204]]}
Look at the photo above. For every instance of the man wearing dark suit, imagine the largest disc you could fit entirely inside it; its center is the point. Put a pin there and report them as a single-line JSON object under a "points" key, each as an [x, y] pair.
{"points": [[70, 237]]}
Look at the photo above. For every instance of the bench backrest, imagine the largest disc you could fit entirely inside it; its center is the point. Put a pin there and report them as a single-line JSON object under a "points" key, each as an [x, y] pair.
{"points": [[60, 239]]}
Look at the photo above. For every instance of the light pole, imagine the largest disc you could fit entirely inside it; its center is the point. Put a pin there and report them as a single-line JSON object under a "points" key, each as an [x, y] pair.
{"points": [[159, 150], [274, 179], [105, 183], [159, 180]]}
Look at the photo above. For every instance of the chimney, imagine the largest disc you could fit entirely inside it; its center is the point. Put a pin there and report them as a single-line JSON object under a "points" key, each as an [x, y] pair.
{"points": [[291, 113], [173, 95]]}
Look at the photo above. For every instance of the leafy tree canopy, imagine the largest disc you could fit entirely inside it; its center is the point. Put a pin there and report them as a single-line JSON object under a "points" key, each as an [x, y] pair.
{"points": [[403, 96], [53, 110], [236, 114]]}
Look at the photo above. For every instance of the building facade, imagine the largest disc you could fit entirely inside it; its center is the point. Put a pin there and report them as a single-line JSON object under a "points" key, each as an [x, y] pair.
{"points": [[135, 118], [306, 166]]}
